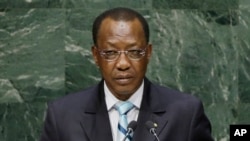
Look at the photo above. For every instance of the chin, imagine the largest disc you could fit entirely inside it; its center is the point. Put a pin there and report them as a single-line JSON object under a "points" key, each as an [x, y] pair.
{"points": [[125, 92]]}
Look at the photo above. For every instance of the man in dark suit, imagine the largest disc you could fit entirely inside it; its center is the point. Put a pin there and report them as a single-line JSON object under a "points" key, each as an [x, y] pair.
{"points": [[122, 51]]}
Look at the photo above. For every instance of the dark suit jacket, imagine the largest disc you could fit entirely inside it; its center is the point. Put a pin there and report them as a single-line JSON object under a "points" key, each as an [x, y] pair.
{"points": [[83, 116]]}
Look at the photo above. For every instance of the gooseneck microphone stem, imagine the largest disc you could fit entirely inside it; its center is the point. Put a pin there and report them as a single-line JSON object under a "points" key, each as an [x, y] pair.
{"points": [[152, 131], [130, 129]]}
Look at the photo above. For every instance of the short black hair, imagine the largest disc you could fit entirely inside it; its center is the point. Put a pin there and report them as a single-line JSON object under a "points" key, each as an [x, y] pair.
{"points": [[119, 14]]}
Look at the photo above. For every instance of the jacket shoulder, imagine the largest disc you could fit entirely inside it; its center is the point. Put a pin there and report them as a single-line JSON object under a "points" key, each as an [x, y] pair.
{"points": [[169, 96], [74, 100], [169, 92]]}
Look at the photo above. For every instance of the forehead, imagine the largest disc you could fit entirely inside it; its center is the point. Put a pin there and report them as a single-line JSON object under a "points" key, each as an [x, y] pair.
{"points": [[120, 29], [109, 23]]}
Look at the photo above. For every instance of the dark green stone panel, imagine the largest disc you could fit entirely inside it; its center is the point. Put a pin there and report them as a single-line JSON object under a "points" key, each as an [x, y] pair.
{"points": [[244, 48], [243, 113], [221, 115], [21, 122], [104, 4], [46, 53], [244, 4], [81, 71], [196, 54], [162, 4], [83, 4], [31, 69], [196, 4], [25, 3], [32, 53]]}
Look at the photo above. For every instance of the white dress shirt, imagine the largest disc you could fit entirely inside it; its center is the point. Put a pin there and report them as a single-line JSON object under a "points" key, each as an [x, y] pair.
{"points": [[111, 100]]}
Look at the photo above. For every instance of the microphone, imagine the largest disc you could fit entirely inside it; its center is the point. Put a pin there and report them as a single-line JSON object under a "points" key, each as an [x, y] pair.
{"points": [[130, 129], [152, 129]]}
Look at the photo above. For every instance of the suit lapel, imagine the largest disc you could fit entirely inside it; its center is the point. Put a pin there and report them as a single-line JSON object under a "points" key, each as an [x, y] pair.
{"points": [[95, 121], [151, 110]]}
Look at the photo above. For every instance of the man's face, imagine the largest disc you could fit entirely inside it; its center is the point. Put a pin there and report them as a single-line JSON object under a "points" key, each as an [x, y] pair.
{"points": [[123, 76]]}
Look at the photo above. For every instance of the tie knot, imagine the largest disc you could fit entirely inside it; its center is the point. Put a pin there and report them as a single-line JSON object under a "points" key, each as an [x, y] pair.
{"points": [[123, 107]]}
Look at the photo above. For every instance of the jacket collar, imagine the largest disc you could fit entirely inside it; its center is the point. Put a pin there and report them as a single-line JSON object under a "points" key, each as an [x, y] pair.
{"points": [[95, 120], [95, 115], [152, 109]]}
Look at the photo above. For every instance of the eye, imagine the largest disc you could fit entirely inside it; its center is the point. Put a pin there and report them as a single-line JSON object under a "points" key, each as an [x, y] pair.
{"points": [[110, 52], [135, 52]]}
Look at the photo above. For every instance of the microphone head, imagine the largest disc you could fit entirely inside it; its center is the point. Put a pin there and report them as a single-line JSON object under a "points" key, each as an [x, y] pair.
{"points": [[132, 125], [150, 126]]}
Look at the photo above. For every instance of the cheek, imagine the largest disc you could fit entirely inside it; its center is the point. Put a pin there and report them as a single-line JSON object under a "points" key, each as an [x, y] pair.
{"points": [[106, 68], [140, 67]]}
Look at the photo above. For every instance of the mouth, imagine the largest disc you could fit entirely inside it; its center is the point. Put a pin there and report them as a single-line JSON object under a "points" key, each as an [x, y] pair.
{"points": [[123, 80]]}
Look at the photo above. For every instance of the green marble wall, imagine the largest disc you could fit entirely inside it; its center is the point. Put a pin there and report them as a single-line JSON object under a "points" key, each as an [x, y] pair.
{"points": [[200, 46]]}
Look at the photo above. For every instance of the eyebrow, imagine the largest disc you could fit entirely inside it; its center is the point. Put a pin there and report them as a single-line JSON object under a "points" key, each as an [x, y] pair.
{"points": [[110, 44]]}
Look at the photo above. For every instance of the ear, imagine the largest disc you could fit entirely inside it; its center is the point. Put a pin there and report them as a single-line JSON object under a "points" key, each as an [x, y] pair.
{"points": [[95, 55], [149, 51]]}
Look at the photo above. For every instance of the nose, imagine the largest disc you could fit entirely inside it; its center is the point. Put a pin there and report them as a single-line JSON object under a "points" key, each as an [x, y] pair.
{"points": [[123, 62]]}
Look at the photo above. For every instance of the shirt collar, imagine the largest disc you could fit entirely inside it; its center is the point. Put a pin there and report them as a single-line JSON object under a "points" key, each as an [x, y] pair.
{"points": [[111, 100]]}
